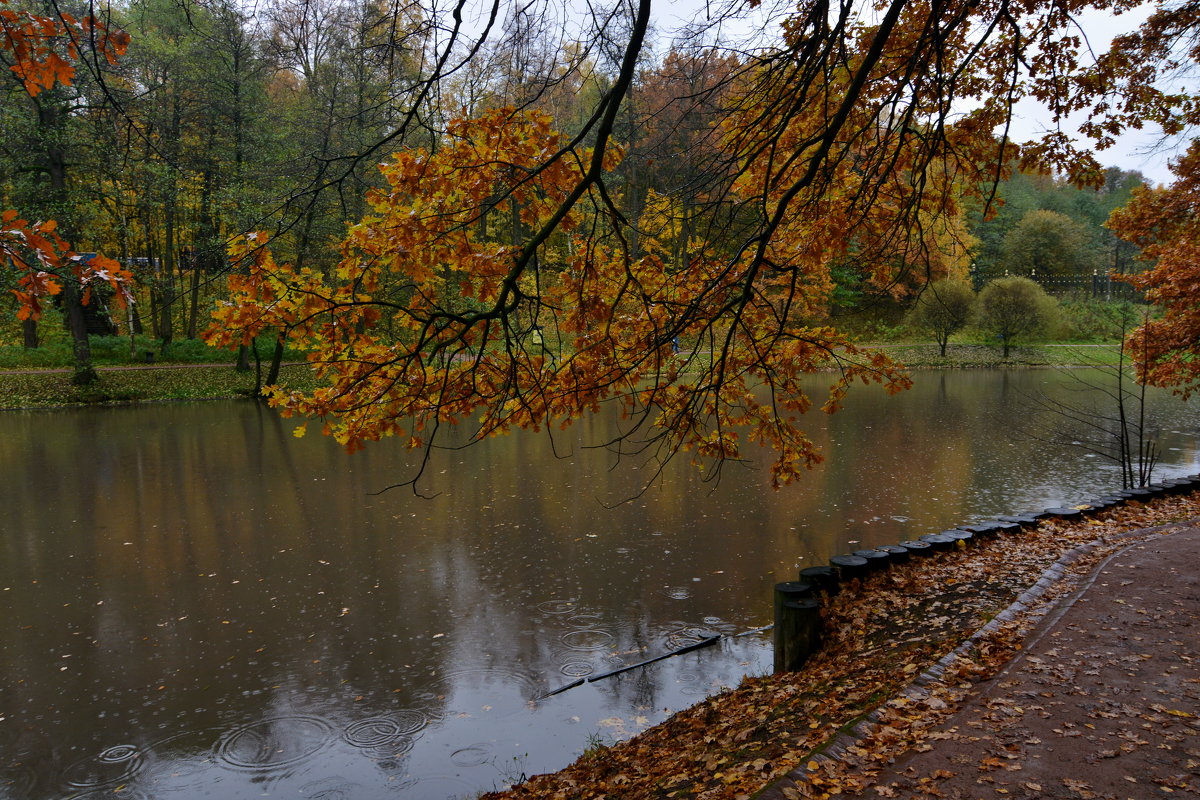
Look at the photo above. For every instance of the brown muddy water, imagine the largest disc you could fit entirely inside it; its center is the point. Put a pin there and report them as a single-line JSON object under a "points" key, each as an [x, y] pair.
{"points": [[194, 603]]}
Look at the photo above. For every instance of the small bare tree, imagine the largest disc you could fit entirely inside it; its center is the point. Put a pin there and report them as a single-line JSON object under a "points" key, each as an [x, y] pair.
{"points": [[1114, 424]]}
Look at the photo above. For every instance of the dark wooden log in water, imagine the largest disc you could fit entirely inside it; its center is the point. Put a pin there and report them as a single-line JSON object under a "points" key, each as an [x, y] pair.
{"points": [[705, 641], [562, 689]]}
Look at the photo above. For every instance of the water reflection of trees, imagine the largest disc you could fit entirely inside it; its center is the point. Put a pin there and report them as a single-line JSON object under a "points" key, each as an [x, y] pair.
{"points": [[206, 551]]}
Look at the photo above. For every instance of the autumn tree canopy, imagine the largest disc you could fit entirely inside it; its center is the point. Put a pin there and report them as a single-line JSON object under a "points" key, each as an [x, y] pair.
{"points": [[1165, 222], [509, 273], [1161, 55], [1048, 243]]}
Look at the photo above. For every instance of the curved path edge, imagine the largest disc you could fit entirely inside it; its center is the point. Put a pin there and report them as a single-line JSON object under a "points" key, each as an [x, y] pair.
{"points": [[1037, 616]]}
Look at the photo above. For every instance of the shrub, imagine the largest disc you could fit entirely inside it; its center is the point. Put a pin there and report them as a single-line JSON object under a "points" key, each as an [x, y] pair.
{"points": [[1090, 319], [1013, 307], [943, 309]]}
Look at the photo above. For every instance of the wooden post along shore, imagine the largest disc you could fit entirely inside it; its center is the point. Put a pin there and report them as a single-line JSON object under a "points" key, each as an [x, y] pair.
{"points": [[798, 623], [797, 633]]}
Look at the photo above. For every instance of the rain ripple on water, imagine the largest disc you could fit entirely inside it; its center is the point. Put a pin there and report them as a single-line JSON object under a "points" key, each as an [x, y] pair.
{"points": [[557, 606], [685, 636], [115, 764], [386, 736], [587, 639], [274, 743]]}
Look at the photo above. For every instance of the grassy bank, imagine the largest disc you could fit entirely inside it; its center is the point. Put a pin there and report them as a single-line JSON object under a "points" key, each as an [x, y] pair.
{"points": [[963, 356], [47, 389], [34, 385]]}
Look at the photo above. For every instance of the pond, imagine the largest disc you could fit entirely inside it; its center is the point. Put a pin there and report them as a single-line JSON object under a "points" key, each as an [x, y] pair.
{"points": [[194, 601]]}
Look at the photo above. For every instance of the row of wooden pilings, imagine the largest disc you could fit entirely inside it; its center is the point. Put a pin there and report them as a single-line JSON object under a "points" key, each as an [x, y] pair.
{"points": [[798, 620]]}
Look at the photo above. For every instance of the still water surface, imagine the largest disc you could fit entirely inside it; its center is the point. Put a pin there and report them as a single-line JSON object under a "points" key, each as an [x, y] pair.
{"points": [[195, 603]]}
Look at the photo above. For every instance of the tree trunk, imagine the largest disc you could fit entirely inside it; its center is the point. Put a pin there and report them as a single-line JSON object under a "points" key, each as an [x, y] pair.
{"points": [[166, 325], [194, 311], [131, 319], [152, 279], [205, 257], [84, 373], [258, 384], [170, 203], [50, 118], [276, 363], [243, 359], [30, 331]]}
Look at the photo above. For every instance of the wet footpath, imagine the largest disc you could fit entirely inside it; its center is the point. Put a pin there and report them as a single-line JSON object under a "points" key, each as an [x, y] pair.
{"points": [[1102, 700]]}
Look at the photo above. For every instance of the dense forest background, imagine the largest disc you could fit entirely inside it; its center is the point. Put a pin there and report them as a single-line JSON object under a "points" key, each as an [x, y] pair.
{"points": [[219, 120]]}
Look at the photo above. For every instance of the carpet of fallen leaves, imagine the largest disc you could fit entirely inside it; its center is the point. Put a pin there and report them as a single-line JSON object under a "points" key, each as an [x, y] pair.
{"points": [[1101, 706], [880, 635]]}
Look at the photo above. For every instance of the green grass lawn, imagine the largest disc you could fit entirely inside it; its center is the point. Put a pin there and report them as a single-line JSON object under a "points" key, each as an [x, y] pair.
{"points": [[34, 385], [48, 389], [986, 355]]}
